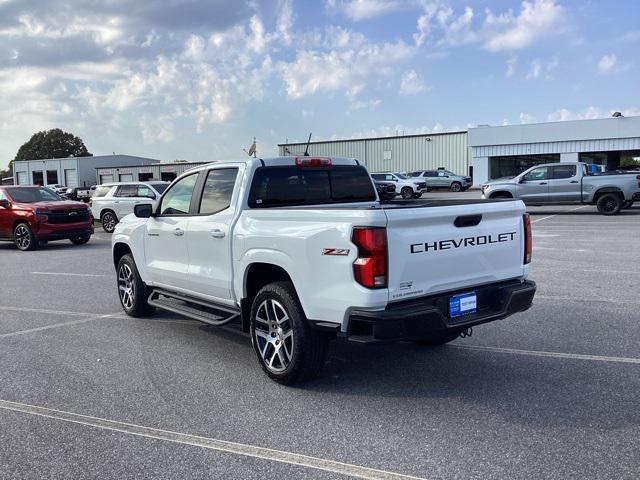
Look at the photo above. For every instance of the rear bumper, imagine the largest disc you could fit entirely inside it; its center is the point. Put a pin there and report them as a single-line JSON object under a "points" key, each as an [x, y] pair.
{"points": [[415, 319]]}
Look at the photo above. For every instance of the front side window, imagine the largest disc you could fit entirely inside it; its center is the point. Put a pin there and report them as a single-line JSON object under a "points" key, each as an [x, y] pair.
{"points": [[218, 188], [145, 191], [536, 174], [178, 199]]}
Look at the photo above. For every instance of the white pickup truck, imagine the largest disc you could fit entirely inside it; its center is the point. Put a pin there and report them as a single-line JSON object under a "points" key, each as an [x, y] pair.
{"points": [[299, 250]]}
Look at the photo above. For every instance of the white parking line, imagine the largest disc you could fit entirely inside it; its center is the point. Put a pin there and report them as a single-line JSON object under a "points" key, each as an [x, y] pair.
{"points": [[537, 353], [40, 310], [586, 299], [58, 325], [71, 274], [209, 443], [556, 214]]}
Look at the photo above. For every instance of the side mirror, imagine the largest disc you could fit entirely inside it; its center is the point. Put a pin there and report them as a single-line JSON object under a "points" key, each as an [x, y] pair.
{"points": [[521, 180], [4, 203], [144, 210]]}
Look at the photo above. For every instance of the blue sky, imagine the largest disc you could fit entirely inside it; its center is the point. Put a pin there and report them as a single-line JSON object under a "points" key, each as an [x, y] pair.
{"points": [[198, 79]]}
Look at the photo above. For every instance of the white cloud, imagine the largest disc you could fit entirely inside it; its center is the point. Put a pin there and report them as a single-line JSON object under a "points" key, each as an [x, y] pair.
{"points": [[285, 21], [346, 70], [590, 113], [539, 68], [536, 19], [391, 131], [411, 83], [526, 118], [363, 9], [511, 66], [607, 63]]}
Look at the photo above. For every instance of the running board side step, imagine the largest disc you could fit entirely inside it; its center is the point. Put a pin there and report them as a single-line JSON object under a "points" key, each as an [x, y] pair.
{"points": [[195, 308]]}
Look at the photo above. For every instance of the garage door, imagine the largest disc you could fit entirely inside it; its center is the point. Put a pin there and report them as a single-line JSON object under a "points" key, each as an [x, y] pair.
{"points": [[71, 177], [106, 178], [126, 177], [22, 178]]}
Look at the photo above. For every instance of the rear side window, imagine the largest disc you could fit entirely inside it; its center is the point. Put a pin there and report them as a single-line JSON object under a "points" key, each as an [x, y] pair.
{"points": [[101, 191], [218, 188], [127, 191], [563, 171], [291, 186]]}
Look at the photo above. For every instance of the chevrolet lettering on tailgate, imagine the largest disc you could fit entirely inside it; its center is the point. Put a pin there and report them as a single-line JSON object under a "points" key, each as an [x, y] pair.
{"points": [[462, 242]]}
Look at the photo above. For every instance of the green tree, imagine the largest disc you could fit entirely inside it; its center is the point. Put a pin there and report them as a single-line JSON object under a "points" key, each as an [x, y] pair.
{"points": [[52, 143]]}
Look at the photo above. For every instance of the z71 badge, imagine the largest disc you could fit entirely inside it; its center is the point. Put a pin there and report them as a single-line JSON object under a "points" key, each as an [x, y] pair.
{"points": [[342, 252]]}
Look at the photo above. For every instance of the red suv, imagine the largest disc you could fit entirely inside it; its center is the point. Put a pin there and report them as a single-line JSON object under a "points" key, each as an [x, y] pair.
{"points": [[31, 216]]}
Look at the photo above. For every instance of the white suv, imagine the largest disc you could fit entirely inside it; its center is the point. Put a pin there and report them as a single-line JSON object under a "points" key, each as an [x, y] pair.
{"points": [[112, 201], [408, 187]]}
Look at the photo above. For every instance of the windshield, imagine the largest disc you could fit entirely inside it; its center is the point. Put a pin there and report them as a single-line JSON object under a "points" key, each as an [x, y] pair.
{"points": [[401, 176], [160, 187], [32, 195]]}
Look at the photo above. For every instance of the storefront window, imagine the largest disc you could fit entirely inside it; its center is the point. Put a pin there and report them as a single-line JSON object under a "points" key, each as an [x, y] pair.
{"points": [[506, 167]]}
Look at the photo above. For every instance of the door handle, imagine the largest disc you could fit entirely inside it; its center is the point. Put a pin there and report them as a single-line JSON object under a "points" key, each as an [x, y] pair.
{"points": [[574, 181], [178, 232], [543, 183], [217, 233]]}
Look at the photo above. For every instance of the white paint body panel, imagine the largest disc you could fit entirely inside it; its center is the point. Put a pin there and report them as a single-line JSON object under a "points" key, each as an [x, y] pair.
{"points": [[293, 238]]}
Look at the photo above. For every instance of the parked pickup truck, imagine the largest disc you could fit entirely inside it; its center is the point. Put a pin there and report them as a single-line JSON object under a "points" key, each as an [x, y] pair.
{"points": [[568, 183], [299, 250]]}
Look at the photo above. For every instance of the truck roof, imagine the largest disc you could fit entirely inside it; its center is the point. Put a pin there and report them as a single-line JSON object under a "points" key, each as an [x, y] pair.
{"points": [[277, 161]]}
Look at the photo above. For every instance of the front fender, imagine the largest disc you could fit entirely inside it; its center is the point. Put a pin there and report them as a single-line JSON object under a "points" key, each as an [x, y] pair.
{"points": [[131, 231]]}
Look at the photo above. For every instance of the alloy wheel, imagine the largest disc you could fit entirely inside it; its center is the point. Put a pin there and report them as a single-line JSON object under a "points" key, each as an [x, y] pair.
{"points": [[126, 287], [108, 222], [274, 335], [22, 237]]}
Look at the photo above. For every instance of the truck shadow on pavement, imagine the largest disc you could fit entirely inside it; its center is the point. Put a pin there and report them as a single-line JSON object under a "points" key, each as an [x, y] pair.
{"points": [[526, 390]]}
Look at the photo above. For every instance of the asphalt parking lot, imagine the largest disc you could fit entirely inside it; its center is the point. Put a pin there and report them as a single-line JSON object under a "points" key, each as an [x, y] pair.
{"points": [[86, 392]]}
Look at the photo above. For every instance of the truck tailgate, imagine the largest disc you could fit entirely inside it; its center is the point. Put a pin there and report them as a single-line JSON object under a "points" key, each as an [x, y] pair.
{"points": [[439, 248]]}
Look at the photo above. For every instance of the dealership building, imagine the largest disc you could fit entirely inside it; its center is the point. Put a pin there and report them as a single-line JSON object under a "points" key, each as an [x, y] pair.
{"points": [[486, 152], [142, 173], [73, 171]]}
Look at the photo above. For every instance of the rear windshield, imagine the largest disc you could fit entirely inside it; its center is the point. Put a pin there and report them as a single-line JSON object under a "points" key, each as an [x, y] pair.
{"points": [[31, 195], [291, 186]]}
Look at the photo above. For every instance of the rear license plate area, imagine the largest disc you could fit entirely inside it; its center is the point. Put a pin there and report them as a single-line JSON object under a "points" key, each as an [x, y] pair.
{"points": [[462, 305]]}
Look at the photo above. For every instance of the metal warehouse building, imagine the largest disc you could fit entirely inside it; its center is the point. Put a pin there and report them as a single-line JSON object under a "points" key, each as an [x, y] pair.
{"points": [[509, 150], [397, 154], [71, 172], [130, 173]]}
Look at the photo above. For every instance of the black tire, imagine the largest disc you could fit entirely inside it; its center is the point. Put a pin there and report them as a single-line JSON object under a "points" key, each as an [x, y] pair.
{"points": [[428, 189], [417, 195], [132, 291], [439, 338], [407, 193], [109, 221], [288, 349], [23, 237], [609, 204], [80, 240], [455, 187]]}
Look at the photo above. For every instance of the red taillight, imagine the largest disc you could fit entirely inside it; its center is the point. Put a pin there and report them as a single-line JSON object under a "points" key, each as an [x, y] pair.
{"points": [[528, 238], [313, 162], [370, 268]]}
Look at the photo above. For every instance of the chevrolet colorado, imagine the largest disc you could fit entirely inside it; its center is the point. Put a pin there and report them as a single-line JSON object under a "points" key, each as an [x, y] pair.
{"points": [[568, 183], [300, 250]]}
